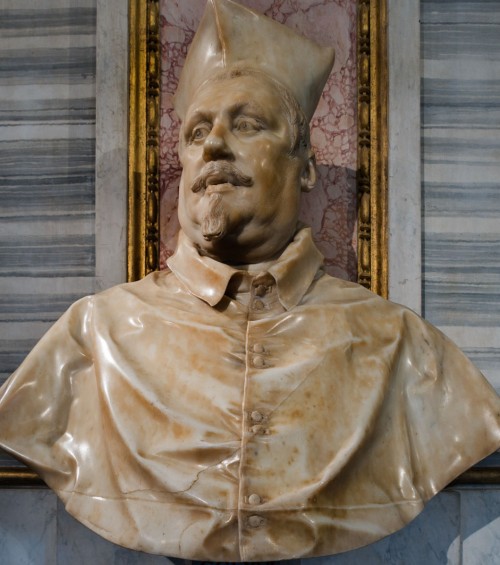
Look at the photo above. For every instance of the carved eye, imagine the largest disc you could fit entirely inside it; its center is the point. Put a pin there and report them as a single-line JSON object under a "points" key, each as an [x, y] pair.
{"points": [[244, 126], [200, 132], [247, 125]]}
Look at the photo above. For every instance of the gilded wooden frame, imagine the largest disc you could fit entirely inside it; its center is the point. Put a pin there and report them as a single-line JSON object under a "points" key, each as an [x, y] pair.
{"points": [[144, 123], [143, 220], [372, 146], [143, 190]]}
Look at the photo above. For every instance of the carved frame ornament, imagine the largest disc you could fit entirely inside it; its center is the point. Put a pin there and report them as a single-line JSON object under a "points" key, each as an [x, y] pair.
{"points": [[372, 146], [144, 124], [144, 184]]}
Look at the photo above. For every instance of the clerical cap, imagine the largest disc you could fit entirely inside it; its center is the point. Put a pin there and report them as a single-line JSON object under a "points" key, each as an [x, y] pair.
{"points": [[232, 36]]}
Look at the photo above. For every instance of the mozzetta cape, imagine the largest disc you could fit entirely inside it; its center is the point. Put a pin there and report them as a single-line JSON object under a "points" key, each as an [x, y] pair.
{"points": [[218, 414]]}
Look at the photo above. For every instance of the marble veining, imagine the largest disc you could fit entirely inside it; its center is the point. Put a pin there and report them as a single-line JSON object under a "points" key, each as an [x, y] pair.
{"points": [[444, 199], [460, 189], [47, 163]]}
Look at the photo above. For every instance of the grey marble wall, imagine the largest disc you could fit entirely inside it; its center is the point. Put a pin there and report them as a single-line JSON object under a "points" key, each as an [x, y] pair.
{"points": [[461, 175], [47, 167], [47, 164], [63, 162]]}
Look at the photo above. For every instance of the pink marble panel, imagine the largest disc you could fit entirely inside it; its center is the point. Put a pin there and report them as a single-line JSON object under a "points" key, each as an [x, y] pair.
{"points": [[331, 207]]}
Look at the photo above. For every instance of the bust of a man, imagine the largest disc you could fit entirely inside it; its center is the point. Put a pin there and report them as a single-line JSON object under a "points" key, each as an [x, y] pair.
{"points": [[243, 405]]}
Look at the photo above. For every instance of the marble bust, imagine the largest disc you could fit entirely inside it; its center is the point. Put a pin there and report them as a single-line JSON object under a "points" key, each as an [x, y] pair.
{"points": [[243, 405]]}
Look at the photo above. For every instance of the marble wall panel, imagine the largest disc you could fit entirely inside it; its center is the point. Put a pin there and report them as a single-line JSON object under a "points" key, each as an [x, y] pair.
{"points": [[404, 221], [480, 526], [460, 174], [28, 527], [47, 164], [111, 160], [331, 207]]}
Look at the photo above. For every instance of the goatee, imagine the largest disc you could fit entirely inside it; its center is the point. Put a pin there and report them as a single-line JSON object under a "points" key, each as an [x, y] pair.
{"points": [[215, 220]]}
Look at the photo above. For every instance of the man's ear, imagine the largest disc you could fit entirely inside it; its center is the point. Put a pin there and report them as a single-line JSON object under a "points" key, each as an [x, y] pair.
{"points": [[308, 177]]}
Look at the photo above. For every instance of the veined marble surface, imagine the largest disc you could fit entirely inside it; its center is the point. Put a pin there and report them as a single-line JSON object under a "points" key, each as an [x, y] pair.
{"points": [[47, 78], [404, 216], [461, 172], [47, 163]]}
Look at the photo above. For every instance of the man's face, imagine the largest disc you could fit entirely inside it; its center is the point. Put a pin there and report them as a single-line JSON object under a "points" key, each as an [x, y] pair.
{"points": [[240, 188]]}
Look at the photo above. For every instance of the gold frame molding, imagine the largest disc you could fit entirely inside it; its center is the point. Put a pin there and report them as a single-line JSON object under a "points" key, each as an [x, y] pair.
{"points": [[143, 242], [372, 146], [143, 195]]}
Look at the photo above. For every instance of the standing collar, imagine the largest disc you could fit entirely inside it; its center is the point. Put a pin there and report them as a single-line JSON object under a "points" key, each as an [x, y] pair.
{"points": [[206, 278]]}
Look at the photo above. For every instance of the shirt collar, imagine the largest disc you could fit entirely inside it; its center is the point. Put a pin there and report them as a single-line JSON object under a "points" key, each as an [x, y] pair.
{"points": [[208, 279]]}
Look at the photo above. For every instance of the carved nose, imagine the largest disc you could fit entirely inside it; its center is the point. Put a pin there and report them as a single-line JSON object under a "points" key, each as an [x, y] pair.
{"points": [[215, 147]]}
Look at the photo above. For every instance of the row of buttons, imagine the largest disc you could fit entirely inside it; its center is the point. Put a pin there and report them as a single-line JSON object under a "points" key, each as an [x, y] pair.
{"points": [[256, 417], [258, 359], [254, 499], [260, 290]]}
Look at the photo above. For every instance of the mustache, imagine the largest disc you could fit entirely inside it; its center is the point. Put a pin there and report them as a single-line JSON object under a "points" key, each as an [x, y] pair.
{"points": [[220, 172]]}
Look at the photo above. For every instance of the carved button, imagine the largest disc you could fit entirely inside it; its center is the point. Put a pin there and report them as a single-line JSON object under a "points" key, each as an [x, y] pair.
{"points": [[258, 348], [258, 361], [258, 305], [256, 521], [254, 499], [256, 416], [258, 429], [260, 290]]}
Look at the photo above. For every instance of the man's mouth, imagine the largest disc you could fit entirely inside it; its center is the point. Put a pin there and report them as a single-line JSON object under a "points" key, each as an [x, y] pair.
{"points": [[219, 177], [218, 182], [219, 188]]}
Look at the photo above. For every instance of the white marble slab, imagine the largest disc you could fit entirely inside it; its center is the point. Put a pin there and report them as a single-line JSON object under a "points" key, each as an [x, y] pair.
{"points": [[111, 143], [404, 154]]}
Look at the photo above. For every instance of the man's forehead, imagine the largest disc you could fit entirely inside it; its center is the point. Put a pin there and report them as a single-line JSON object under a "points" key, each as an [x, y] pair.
{"points": [[242, 93]]}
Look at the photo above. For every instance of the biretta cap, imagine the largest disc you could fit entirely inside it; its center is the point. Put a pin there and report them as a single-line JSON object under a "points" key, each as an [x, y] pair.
{"points": [[230, 35]]}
